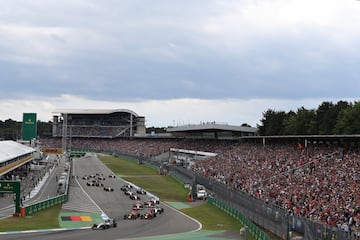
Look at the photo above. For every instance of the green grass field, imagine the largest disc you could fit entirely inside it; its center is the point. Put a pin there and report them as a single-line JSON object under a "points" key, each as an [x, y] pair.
{"points": [[169, 189], [126, 167], [44, 219]]}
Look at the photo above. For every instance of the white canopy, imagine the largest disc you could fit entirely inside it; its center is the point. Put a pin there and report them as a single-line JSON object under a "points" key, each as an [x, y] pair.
{"points": [[11, 149]]}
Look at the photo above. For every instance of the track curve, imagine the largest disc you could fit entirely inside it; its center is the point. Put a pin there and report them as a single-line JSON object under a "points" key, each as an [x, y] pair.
{"points": [[113, 204]]}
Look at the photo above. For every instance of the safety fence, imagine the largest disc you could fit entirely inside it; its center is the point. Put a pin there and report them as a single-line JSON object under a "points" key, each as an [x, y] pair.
{"points": [[38, 206], [254, 230]]}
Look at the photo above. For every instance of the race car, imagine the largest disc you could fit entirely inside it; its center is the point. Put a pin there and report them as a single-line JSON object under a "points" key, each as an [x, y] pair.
{"points": [[150, 214], [91, 183], [101, 178], [134, 197], [158, 209], [112, 176], [141, 191], [108, 223], [138, 205], [85, 177], [95, 183], [133, 215], [108, 189], [126, 187], [151, 203], [128, 192], [98, 184]]}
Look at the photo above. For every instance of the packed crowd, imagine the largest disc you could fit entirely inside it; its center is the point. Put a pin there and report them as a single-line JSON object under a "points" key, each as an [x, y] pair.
{"points": [[319, 182], [94, 131], [141, 147]]}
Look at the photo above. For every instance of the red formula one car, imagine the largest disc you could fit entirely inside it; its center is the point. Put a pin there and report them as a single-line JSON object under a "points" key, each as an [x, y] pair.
{"points": [[133, 215], [150, 214], [138, 205]]}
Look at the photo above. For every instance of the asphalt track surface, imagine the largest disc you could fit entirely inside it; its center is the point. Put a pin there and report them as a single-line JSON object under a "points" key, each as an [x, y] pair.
{"points": [[114, 205]]}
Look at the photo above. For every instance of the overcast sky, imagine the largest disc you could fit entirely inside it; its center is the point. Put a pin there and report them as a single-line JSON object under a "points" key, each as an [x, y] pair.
{"points": [[175, 61]]}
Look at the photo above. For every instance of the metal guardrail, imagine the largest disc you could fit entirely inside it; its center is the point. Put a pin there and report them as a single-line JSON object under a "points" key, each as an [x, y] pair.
{"points": [[33, 208], [255, 231]]}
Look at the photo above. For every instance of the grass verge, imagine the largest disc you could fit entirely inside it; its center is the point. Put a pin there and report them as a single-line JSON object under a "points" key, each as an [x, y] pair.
{"points": [[212, 218], [126, 167], [45, 219]]}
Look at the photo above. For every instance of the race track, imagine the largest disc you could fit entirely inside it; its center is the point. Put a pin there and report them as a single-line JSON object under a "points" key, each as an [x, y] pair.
{"points": [[113, 204]]}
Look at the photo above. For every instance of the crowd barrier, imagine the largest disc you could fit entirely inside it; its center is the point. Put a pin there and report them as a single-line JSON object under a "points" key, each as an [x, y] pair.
{"points": [[254, 230]]}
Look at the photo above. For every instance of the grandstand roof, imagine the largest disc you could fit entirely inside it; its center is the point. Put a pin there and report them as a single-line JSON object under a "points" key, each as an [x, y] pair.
{"points": [[93, 111], [11, 149], [211, 126]]}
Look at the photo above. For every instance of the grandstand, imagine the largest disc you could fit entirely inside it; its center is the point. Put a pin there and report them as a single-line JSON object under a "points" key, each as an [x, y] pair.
{"points": [[212, 130], [96, 123]]}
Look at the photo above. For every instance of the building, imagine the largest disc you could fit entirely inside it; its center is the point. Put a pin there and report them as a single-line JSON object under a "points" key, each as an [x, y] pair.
{"points": [[212, 130], [97, 123], [14, 155]]}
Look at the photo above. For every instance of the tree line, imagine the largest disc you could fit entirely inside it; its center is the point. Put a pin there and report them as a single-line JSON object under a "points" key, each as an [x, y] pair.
{"points": [[12, 130], [329, 118]]}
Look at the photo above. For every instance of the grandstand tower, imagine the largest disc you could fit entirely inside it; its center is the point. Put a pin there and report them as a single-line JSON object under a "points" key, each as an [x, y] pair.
{"points": [[97, 123]]}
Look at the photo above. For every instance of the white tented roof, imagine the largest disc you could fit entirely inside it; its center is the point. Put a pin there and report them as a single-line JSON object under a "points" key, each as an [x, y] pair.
{"points": [[11, 149], [93, 111]]}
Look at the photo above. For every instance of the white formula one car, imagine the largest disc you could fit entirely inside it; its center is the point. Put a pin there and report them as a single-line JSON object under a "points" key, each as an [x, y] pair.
{"points": [[108, 223]]}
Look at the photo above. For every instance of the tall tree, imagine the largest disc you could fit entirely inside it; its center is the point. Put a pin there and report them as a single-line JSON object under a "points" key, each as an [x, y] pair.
{"points": [[272, 123], [349, 120], [325, 118], [301, 123]]}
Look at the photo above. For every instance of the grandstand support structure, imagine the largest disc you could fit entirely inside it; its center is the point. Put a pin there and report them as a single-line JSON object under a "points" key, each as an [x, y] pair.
{"points": [[64, 132], [66, 135]]}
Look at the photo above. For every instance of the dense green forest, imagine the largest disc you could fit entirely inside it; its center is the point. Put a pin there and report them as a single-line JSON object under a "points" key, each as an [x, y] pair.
{"points": [[329, 118]]}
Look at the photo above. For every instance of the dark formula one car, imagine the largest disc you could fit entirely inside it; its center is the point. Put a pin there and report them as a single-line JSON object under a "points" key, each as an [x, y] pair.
{"points": [[126, 187], [112, 176], [141, 191], [158, 209], [95, 183], [128, 192], [133, 215], [91, 183], [101, 178], [134, 197], [108, 189], [108, 223], [99, 184], [150, 214]]}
